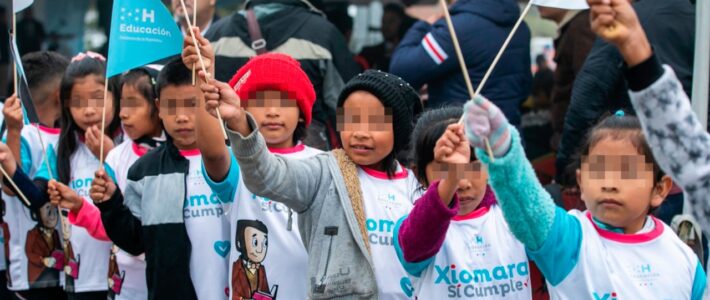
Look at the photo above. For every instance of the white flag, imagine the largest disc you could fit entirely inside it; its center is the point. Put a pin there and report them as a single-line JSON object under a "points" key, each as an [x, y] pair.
{"points": [[19, 5], [565, 4]]}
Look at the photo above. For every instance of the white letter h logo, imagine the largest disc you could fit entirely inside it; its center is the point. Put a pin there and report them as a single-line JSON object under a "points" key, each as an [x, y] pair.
{"points": [[148, 15]]}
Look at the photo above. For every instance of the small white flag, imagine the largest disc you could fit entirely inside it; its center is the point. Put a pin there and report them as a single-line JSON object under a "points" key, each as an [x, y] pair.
{"points": [[565, 4], [19, 5]]}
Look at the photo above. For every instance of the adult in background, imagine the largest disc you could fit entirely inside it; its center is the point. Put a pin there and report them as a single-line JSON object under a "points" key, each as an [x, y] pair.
{"points": [[600, 86], [299, 29], [426, 55], [395, 24], [206, 14]]}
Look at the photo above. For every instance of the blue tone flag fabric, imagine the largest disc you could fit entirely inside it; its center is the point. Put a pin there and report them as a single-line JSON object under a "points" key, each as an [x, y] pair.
{"points": [[565, 4], [23, 91], [19, 5], [141, 33]]}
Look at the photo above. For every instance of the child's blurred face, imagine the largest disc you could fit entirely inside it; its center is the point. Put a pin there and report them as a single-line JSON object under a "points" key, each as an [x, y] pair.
{"points": [[177, 107], [472, 186], [87, 100], [366, 129], [135, 114], [617, 184], [277, 114]]}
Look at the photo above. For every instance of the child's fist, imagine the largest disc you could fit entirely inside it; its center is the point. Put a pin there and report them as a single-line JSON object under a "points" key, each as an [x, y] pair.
{"points": [[483, 121], [219, 95], [64, 197], [452, 147], [616, 22], [189, 51], [13, 113], [93, 136], [102, 188]]}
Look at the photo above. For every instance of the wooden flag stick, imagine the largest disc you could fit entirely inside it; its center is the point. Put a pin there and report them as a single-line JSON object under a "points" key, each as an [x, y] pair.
{"points": [[14, 65], [12, 182], [103, 125], [194, 21], [464, 69], [202, 64]]}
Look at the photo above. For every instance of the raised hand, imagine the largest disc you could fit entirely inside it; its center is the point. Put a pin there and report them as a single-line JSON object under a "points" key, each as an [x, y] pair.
{"points": [[616, 22], [219, 95], [189, 51], [64, 197], [102, 188], [453, 147], [484, 120], [13, 114]]}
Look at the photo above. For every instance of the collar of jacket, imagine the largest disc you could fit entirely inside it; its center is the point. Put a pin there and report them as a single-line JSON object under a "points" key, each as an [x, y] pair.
{"points": [[302, 3]]}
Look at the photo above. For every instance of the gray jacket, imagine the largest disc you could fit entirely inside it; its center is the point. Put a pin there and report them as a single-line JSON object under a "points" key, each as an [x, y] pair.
{"points": [[339, 264]]}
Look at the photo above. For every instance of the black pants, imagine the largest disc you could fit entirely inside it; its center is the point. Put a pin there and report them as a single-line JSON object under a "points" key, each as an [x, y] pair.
{"points": [[88, 295], [54, 293]]}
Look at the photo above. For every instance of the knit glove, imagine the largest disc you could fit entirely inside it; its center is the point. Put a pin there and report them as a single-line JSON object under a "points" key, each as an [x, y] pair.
{"points": [[484, 120]]}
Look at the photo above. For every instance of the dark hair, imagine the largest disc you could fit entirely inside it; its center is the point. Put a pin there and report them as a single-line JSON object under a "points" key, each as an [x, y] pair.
{"points": [[41, 68], [430, 126], [174, 73], [67, 139], [242, 225], [622, 127], [144, 82]]}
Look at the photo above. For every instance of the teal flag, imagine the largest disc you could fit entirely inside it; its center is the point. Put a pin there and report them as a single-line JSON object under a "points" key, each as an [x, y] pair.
{"points": [[141, 33]]}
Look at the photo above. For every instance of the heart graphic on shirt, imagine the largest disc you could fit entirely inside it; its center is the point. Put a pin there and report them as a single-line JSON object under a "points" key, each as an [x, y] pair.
{"points": [[222, 248]]}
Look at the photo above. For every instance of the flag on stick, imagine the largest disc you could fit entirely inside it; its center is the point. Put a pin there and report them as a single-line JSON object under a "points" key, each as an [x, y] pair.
{"points": [[564, 4], [29, 112], [19, 5]]}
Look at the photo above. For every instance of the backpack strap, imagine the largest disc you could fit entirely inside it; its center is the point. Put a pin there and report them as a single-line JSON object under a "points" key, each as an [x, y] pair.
{"points": [[258, 43], [352, 184]]}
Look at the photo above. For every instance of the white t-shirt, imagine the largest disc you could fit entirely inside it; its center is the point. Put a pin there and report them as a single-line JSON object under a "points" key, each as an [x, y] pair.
{"points": [[286, 259], [119, 160], [480, 259], [91, 254], [208, 230], [21, 223], [386, 201]]}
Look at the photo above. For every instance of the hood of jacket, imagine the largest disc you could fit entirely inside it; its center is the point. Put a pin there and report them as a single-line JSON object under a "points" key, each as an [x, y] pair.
{"points": [[500, 12]]}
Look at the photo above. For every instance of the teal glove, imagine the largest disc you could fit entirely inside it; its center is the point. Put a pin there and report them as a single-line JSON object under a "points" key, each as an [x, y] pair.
{"points": [[484, 120]]}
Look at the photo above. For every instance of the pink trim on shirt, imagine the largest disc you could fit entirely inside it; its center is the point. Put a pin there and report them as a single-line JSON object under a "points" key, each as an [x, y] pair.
{"points": [[138, 150], [89, 217], [383, 175], [294, 149], [48, 130], [472, 215], [629, 238], [188, 153]]}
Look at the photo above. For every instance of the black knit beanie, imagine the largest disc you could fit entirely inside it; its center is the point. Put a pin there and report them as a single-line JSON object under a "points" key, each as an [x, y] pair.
{"points": [[394, 93]]}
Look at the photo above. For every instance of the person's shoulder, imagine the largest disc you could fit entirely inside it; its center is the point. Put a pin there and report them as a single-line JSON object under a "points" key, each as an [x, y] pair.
{"points": [[148, 165], [231, 25]]}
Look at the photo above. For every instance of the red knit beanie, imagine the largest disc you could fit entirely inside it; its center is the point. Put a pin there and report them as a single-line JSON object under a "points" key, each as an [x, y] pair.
{"points": [[275, 71]]}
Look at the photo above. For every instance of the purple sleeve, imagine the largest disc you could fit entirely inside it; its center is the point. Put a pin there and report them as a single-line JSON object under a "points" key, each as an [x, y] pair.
{"points": [[422, 233]]}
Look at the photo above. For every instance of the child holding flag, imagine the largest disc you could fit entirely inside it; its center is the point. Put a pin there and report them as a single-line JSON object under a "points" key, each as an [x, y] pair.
{"points": [[280, 96], [167, 210]]}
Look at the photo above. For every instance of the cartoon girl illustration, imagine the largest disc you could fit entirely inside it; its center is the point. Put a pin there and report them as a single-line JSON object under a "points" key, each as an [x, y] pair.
{"points": [[43, 249], [115, 275], [249, 279]]}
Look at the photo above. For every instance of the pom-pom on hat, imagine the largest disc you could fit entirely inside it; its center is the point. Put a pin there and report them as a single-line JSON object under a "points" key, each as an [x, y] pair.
{"points": [[275, 71]]}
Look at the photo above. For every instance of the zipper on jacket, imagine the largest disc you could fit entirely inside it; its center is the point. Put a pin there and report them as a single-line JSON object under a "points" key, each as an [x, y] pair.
{"points": [[329, 231], [289, 225]]}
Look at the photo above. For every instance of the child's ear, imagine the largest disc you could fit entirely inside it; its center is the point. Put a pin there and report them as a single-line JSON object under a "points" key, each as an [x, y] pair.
{"points": [[661, 190]]}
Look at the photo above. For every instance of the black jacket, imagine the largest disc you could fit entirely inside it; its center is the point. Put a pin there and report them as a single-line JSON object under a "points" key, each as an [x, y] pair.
{"points": [[294, 28], [148, 218], [600, 86]]}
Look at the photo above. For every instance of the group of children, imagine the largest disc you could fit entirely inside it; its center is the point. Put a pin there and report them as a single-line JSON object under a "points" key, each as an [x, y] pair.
{"points": [[177, 213]]}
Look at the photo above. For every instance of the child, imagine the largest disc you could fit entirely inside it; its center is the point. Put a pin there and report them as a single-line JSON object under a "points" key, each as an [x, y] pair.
{"points": [[280, 97], [615, 249], [167, 209], [44, 71], [457, 246], [347, 200], [139, 117], [82, 99]]}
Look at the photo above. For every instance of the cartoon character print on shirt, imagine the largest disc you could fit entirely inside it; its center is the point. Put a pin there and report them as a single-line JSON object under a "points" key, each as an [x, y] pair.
{"points": [[115, 275], [249, 279], [71, 269], [43, 248]]}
